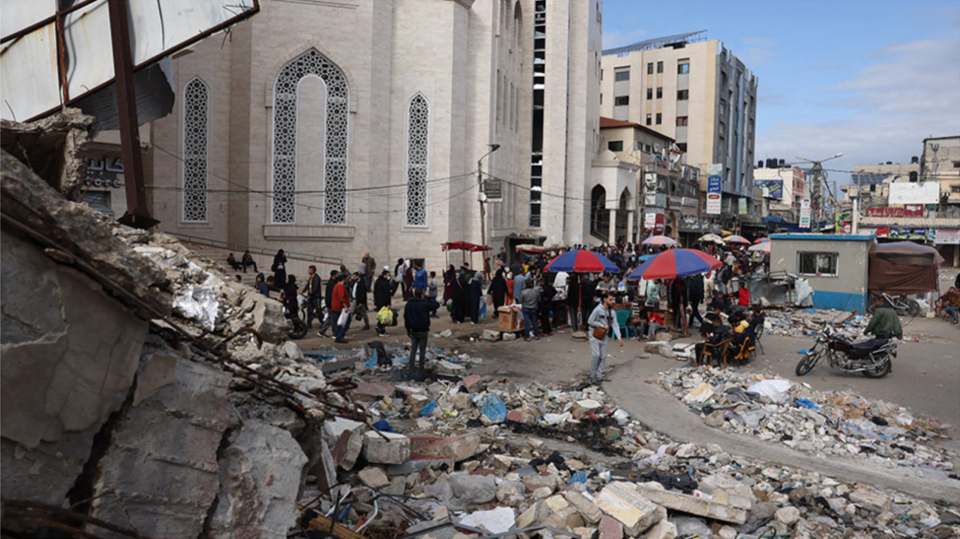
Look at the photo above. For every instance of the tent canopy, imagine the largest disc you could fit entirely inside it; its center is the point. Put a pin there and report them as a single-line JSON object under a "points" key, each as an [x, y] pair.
{"points": [[537, 249], [907, 252], [464, 246]]}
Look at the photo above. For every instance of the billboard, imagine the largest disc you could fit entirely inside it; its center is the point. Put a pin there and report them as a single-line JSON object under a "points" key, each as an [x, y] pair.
{"points": [[914, 193], [714, 185], [805, 213], [53, 57], [770, 188], [742, 206]]}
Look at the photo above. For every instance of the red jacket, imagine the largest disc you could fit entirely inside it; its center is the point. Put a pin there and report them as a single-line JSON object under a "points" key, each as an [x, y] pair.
{"points": [[341, 300]]}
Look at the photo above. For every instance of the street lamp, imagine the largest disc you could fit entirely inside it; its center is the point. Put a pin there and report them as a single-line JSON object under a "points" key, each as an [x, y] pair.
{"points": [[480, 196]]}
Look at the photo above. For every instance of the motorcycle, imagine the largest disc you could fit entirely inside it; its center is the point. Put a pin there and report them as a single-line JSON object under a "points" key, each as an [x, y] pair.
{"points": [[873, 358], [298, 328]]}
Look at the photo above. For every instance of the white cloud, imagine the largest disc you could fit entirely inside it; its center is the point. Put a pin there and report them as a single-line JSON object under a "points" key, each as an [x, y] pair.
{"points": [[753, 56], [911, 92], [612, 40]]}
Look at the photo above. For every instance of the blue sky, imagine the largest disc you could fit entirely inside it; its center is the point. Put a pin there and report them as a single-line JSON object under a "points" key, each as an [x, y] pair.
{"points": [[870, 79]]}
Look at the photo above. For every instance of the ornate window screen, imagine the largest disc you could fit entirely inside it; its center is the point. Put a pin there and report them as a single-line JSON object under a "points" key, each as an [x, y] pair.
{"points": [[285, 138], [195, 116], [418, 137]]}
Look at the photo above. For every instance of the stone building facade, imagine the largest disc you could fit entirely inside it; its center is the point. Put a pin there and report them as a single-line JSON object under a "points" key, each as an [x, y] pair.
{"points": [[340, 127]]}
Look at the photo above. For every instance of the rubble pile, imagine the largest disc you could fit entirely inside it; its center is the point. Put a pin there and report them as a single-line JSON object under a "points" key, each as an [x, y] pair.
{"points": [[479, 455], [807, 322], [822, 423]]}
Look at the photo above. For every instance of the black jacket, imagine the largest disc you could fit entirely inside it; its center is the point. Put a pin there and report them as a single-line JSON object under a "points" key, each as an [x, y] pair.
{"points": [[361, 291], [328, 297], [313, 287], [588, 290], [381, 293], [416, 314], [498, 288], [721, 334], [695, 289]]}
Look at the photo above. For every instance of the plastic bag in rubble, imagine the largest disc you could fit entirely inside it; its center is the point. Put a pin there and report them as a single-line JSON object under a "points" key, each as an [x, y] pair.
{"points": [[646, 462], [198, 304], [775, 390], [804, 293], [494, 409]]}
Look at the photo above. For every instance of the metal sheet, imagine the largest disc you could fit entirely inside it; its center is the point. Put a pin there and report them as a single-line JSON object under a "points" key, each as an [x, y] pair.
{"points": [[29, 63]]}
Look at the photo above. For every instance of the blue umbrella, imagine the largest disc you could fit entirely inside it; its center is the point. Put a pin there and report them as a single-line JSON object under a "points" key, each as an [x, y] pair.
{"points": [[675, 263], [582, 261]]}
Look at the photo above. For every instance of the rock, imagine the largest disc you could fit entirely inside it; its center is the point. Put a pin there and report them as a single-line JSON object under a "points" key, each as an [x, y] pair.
{"points": [[686, 451], [334, 427], [508, 336], [715, 419], [292, 351], [621, 501], [589, 510], [145, 465], [510, 493], [259, 480], [610, 528], [726, 532], [386, 448], [491, 335], [156, 370], [763, 510], [458, 448], [348, 449], [541, 493], [474, 489], [885, 518], [871, 501], [787, 515], [663, 530], [584, 407], [450, 369], [374, 477], [268, 319]]}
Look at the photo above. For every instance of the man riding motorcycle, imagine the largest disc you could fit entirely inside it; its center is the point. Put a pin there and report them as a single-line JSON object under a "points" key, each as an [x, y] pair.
{"points": [[885, 322]]}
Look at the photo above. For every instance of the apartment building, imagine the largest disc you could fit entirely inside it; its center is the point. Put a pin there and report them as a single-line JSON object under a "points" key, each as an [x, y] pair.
{"points": [[696, 92]]}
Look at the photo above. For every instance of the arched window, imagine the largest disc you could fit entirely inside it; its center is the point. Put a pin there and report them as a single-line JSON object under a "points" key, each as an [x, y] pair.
{"points": [[195, 118], [418, 146], [285, 138]]}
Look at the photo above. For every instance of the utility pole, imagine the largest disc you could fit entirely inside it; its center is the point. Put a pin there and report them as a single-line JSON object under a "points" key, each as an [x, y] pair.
{"points": [[481, 197], [817, 191]]}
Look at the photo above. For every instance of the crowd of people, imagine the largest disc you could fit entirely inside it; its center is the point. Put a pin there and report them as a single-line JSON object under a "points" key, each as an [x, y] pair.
{"points": [[546, 300]]}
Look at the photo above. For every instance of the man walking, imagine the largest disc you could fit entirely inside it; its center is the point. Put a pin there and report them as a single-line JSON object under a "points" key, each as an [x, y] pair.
{"points": [[695, 297], [419, 276], [339, 304], [416, 318], [602, 318], [329, 321], [530, 303], [519, 283], [370, 265], [314, 295]]}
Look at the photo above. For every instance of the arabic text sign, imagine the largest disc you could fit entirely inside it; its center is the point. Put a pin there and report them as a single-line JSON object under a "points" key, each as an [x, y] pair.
{"points": [[911, 210], [805, 213], [914, 193], [770, 188], [714, 185]]}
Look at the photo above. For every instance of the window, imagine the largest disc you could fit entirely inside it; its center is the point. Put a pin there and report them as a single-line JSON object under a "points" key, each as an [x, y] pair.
{"points": [[649, 117], [818, 264], [682, 146], [659, 67], [418, 136], [601, 99], [659, 93], [681, 120], [195, 115], [659, 118], [956, 164], [953, 188], [621, 101], [683, 95], [622, 74], [285, 138], [647, 147], [649, 93], [615, 145], [683, 68], [601, 74], [650, 68]]}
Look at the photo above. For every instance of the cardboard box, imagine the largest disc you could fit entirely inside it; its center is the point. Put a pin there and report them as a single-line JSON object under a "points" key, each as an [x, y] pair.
{"points": [[509, 319]]}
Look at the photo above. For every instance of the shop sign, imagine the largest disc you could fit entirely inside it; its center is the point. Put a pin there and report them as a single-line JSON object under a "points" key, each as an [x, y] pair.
{"points": [[910, 210], [946, 236], [805, 213], [689, 202], [742, 209], [653, 222], [674, 202], [689, 223], [714, 185]]}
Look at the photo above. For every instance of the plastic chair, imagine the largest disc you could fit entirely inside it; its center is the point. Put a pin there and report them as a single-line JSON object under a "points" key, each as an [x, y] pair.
{"points": [[623, 317], [715, 352]]}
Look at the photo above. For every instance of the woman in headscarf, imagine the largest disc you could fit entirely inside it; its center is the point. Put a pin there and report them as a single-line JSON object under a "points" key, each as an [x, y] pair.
{"points": [[460, 298], [279, 269], [547, 292], [290, 291], [476, 296], [407, 280], [498, 288], [449, 277], [262, 285]]}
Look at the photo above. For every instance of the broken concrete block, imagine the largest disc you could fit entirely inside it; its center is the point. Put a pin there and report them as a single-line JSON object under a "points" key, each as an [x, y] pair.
{"points": [[591, 513], [871, 501], [662, 530], [458, 448], [584, 533], [259, 481], [621, 501], [556, 503], [146, 462], [386, 448], [374, 477], [566, 518], [787, 515], [491, 335], [610, 528], [417, 402], [584, 407], [693, 505], [348, 449], [497, 520], [156, 370], [534, 482], [450, 369], [474, 489], [506, 336], [511, 493]]}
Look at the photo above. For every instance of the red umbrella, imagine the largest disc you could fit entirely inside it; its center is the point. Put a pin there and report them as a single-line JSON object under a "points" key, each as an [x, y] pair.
{"points": [[582, 261], [761, 240], [737, 239]]}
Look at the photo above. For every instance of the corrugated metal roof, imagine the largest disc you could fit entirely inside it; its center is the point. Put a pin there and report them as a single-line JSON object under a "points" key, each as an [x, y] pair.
{"points": [[917, 222], [651, 43]]}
